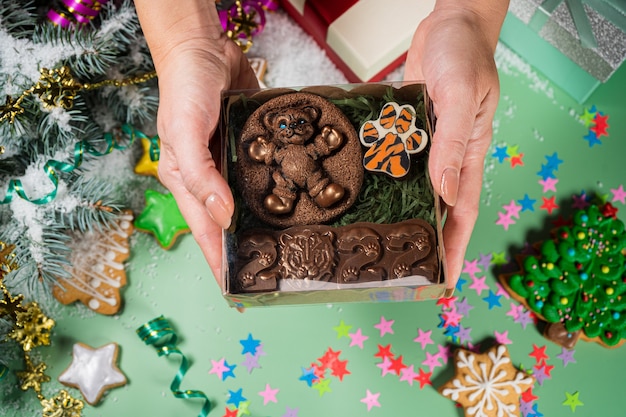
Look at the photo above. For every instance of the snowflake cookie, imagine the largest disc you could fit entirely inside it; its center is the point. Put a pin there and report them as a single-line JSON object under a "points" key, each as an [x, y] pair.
{"points": [[392, 139], [487, 384]]}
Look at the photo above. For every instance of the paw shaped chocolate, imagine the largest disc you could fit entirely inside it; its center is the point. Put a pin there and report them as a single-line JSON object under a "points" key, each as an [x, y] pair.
{"points": [[392, 139]]}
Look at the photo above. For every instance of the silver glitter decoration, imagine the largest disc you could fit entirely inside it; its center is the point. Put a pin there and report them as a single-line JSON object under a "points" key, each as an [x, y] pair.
{"points": [[560, 31]]}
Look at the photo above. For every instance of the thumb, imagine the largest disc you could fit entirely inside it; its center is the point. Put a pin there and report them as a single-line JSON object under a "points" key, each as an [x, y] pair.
{"points": [[449, 143]]}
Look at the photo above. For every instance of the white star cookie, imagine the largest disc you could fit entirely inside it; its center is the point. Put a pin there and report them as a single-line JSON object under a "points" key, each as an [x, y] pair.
{"points": [[487, 384], [93, 371]]}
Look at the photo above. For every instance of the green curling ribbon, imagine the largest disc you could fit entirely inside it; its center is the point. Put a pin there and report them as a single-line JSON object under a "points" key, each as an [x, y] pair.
{"points": [[159, 333], [3, 371], [53, 167], [155, 149]]}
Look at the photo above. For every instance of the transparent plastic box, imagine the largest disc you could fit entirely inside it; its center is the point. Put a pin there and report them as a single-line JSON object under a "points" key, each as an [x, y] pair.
{"points": [[332, 193]]}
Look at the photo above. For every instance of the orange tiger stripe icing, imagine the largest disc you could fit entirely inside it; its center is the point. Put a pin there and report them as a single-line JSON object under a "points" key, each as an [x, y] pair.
{"points": [[387, 116], [369, 132], [403, 122], [414, 141], [387, 156]]}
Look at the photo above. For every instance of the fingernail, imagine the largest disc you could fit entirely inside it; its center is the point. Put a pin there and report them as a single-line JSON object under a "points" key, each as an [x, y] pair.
{"points": [[448, 293], [217, 210], [450, 185]]}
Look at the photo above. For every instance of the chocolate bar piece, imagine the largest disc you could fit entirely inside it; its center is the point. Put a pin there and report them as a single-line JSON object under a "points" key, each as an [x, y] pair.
{"points": [[353, 254]]}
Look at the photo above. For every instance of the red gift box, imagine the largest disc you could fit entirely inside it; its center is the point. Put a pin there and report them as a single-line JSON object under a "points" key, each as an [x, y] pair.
{"points": [[366, 39]]}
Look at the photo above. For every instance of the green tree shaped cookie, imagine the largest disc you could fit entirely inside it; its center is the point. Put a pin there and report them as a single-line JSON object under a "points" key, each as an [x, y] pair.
{"points": [[579, 277]]}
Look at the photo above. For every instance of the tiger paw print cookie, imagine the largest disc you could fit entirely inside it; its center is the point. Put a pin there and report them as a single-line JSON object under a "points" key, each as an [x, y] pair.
{"points": [[391, 140]]}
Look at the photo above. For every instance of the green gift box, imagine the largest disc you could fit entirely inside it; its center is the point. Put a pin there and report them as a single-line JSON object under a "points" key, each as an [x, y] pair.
{"points": [[577, 44]]}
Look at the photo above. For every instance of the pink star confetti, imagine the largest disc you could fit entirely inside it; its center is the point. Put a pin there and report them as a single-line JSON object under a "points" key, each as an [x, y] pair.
{"points": [[478, 285], [357, 338], [504, 220], [432, 361], [371, 400], [384, 326], [444, 353], [218, 368], [549, 184], [471, 267], [408, 374], [515, 311], [502, 292], [269, 394], [423, 338], [502, 338], [619, 194], [512, 209], [385, 367]]}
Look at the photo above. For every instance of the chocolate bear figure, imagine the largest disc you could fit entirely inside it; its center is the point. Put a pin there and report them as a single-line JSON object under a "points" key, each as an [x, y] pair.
{"points": [[295, 148]]}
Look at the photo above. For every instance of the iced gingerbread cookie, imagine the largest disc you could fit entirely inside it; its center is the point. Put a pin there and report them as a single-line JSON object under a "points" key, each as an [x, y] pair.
{"points": [[577, 281], [97, 271], [487, 384], [93, 371]]}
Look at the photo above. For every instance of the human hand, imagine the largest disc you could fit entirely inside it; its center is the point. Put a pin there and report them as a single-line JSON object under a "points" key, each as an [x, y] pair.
{"points": [[195, 62], [452, 52]]}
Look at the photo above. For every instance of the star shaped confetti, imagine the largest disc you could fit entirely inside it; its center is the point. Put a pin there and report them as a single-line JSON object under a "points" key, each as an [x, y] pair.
{"points": [[572, 400], [548, 184], [592, 138], [588, 116], [235, 397], [600, 125], [478, 285], [567, 356], [423, 378], [486, 384], [308, 376], [539, 353], [218, 368], [343, 330], [290, 412], [619, 194], [423, 338], [357, 338], [493, 300], [269, 394], [250, 345], [162, 218], [502, 338], [384, 352], [384, 326], [549, 204], [322, 386], [371, 400], [229, 372], [527, 203], [504, 220], [501, 153], [93, 371]]}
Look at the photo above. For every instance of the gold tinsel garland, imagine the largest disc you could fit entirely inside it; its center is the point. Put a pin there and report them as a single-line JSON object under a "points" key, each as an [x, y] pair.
{"points": [[31, 328], [58, 88]]}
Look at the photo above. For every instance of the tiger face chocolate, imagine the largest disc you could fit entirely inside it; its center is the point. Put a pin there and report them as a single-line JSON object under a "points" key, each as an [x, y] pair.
{"points": [[298, 161]]}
